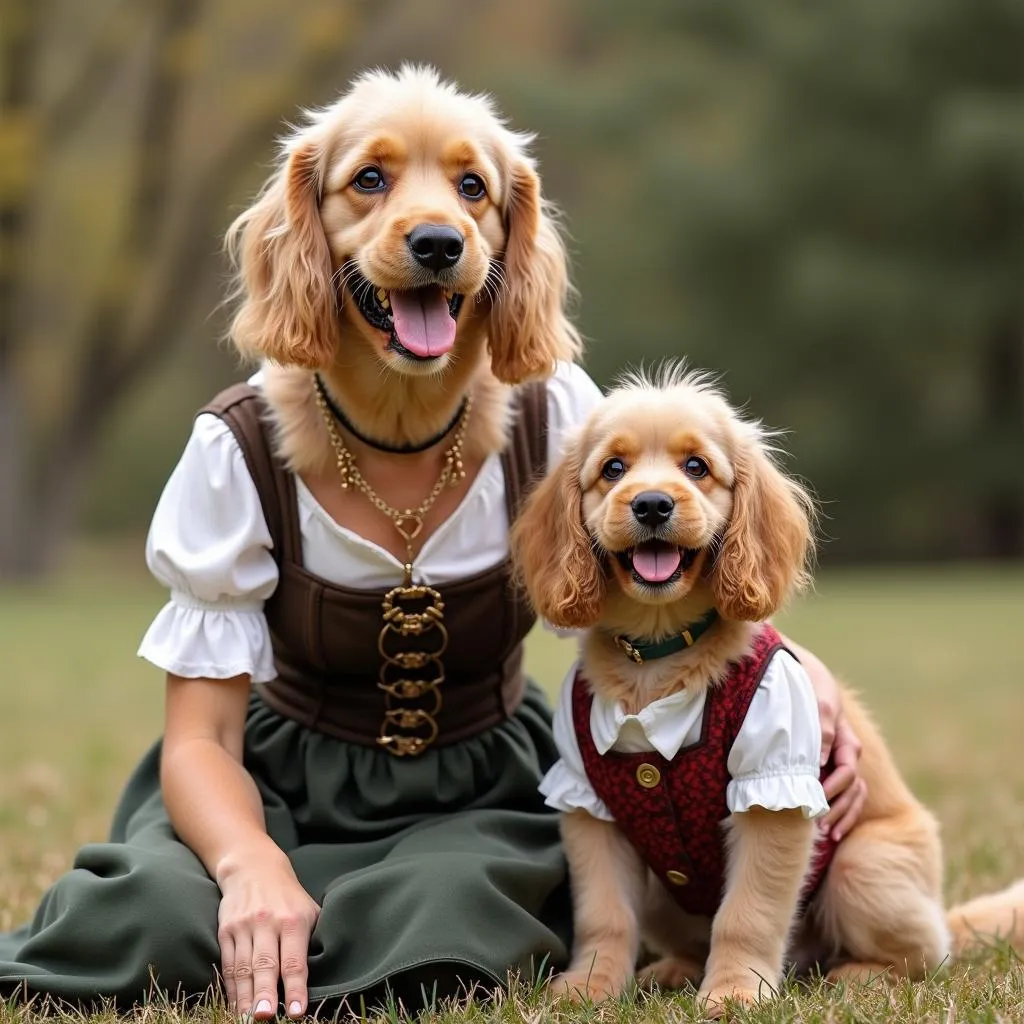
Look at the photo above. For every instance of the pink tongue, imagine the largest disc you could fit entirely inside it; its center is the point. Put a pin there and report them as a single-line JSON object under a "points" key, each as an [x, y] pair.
{"points": [[656, 562], [422, 321]]}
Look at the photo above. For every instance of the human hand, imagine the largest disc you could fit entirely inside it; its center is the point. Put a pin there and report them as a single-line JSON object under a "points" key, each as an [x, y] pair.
{"points": [[266, 919], [845, 789]]}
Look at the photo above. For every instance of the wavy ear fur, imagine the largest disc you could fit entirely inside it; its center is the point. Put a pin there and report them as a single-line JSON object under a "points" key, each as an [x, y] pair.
{"points": [[766, 547], [288, 307], [552, 551], [529, 330]]}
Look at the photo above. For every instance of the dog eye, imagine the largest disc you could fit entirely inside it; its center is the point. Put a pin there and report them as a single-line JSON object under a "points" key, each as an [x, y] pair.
{"points": [[696, 467], [472, 186], [369, 179], [613, 469]]}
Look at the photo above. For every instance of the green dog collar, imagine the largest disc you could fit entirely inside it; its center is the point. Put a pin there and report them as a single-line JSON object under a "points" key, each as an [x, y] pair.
{"points": [[642, 651]]}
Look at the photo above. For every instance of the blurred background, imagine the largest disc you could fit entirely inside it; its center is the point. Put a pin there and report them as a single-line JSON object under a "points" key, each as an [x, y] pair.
{"points": [[823, 202]]}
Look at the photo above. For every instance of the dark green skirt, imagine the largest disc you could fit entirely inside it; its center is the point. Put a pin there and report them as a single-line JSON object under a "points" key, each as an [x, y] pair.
{"points": [[443, 868]]}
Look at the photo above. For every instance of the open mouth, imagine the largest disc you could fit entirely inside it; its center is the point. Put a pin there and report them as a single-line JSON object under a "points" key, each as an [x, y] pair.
{"points": [[420, 321], [656, 563]]}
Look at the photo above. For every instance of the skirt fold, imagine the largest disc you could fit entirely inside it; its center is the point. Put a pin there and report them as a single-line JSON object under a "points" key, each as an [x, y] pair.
{"points": [[446, 867]]}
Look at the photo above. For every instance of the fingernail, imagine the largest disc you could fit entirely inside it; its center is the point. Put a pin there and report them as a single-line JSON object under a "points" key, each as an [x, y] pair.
{"points": [[836, 835], [295, 1007], [263, 1006]]}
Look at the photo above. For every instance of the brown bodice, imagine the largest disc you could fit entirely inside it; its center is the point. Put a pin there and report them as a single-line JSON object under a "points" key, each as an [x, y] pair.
{"points": [[327, 639]]}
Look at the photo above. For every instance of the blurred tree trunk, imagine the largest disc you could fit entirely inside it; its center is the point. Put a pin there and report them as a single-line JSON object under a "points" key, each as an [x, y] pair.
{"points": [[108, 365], [125, 336], [39, 500], [19, 41]]}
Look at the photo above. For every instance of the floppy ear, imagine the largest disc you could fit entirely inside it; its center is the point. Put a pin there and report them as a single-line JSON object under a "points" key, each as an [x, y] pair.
{"points": [[529, 330], [766, 547], [553, 554], [288, 308]]}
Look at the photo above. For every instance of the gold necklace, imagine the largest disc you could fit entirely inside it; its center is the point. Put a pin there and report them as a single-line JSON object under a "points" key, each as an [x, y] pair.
{"points": [[409, 609], [408, 522]]}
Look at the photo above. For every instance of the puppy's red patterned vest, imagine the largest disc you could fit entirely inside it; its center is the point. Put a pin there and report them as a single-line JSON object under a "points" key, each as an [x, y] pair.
{"points": [[672, 811]]}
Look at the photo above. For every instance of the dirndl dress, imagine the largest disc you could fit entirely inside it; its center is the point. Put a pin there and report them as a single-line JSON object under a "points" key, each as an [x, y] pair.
{"points": [[415, 822]]}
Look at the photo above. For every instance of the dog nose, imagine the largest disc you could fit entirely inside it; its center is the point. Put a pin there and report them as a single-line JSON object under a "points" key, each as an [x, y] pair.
{"points": [[652, 508], [435, 246]]}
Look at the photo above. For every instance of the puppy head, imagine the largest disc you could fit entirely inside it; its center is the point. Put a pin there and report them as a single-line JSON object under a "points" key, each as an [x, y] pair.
{"points": [[404, 218], [663, 491]]}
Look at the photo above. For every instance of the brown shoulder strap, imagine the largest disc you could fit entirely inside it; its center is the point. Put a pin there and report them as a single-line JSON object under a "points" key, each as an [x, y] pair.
{"points": [[243, 409], [525, 459]]}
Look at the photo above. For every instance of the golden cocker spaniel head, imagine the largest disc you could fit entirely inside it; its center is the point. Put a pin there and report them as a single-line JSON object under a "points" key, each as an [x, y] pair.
{"points": [[407, 219], [664, 496]]}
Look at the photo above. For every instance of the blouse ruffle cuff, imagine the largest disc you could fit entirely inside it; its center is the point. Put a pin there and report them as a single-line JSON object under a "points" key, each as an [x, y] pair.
{"points": [[783, 792], [565, 791], [195, 639]]}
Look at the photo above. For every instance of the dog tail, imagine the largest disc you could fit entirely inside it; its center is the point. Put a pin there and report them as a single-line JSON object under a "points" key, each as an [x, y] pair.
{"points": [[994, 917]]}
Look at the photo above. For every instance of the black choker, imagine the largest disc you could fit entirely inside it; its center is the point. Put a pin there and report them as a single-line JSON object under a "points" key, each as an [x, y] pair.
{"points": [[383, 446]]}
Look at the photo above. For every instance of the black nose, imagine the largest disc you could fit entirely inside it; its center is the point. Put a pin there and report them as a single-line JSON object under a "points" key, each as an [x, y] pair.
{"points": [[435, 246], [652, 508]]}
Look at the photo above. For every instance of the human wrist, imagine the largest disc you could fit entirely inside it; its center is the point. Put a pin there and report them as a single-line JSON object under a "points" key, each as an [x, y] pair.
{"points": [[258, 852]]}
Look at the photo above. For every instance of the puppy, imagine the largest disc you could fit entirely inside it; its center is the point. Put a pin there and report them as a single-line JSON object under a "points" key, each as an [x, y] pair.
{"points": [[403, 250], [689, 736]]}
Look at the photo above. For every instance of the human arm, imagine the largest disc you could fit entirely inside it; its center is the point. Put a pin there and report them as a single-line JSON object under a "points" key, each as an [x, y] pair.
{"points": [[266, 917], [209, 545]]}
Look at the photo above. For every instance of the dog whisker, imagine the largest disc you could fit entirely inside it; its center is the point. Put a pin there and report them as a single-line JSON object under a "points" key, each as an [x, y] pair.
{"points": [[496, 281], [363, 290], [346, 270], [343, 276]]}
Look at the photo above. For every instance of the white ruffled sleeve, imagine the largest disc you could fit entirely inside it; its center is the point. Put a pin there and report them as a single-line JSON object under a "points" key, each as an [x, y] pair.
{"points": [[572, 396], [774, 761], [209, 545], [566, 786]]}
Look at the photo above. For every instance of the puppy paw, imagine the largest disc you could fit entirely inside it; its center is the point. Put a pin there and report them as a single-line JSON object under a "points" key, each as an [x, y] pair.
{"points": [[716, 1001], [582, 986], [671, 972]]}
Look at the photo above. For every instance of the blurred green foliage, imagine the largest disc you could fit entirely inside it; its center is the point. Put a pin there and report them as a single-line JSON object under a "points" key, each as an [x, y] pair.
{"points": [[823, 202]]}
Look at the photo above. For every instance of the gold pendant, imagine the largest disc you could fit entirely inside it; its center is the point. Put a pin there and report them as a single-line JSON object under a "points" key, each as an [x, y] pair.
{"points": [[409, 533]]}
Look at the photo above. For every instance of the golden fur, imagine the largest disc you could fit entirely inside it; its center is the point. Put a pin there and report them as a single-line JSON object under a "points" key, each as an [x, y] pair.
{"points": [[298, 249], [880, 907]]}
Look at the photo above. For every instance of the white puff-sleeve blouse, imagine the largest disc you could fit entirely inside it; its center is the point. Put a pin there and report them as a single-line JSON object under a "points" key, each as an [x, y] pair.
{"points": [[209, 544], [773, 763]]}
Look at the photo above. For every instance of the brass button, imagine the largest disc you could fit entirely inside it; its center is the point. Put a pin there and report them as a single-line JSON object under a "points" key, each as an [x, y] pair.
{"points": [[648, 776], [676, 877]]}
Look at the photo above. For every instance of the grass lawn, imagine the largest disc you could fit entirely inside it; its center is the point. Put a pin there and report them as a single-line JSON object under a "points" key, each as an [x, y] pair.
{"points": [[938, 653]]}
